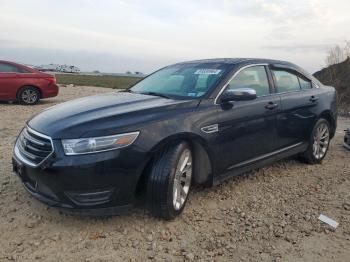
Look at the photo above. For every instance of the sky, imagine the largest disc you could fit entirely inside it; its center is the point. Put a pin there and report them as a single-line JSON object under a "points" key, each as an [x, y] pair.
{"points": [[138, 35]]}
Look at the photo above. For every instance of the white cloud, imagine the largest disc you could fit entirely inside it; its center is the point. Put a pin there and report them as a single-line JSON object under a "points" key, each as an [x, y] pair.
{"points": [[151, 33]]}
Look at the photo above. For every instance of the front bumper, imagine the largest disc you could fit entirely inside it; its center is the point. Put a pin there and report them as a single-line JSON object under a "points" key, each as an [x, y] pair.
{"points": [[94, 184]]}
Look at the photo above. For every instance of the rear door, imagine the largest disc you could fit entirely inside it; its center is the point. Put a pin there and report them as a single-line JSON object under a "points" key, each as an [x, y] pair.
{"points": [[298, 99], [9, 81], [247, 130]]}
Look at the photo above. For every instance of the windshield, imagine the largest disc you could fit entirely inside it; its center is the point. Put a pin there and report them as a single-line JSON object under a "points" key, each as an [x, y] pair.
{"points": [[182, 80]]}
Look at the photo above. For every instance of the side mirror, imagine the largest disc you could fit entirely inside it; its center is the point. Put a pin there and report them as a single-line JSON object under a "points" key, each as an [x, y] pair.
{"points": [[239, 94]]}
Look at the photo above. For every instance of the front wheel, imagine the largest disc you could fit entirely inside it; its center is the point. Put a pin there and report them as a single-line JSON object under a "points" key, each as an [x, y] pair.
{"points": [[319, 142], [169, 182]]}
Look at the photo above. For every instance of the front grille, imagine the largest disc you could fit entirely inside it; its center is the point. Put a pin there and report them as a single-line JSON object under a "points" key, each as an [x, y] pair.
{"points": [[33, 146]]}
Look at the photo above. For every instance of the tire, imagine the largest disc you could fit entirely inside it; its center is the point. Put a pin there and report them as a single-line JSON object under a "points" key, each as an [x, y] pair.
{"points": [[28, 95], [171, 174], [318, 143]]}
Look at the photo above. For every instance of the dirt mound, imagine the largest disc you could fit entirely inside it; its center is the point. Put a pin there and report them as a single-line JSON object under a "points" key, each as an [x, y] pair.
{"points": [[338, 75]]}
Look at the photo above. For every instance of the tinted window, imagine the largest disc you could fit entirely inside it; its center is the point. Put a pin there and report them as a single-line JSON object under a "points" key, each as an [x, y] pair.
{"points": [[286, 81], [305, 84], [254, 77], [5, 68], [202, 82]]}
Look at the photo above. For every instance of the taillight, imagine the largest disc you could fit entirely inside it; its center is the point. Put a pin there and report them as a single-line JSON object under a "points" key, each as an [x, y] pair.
{"points": [[52, 80]]}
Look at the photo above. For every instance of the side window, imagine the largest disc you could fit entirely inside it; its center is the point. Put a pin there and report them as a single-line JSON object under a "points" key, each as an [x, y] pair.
{"points": [[286, 81], [254, 77], [5, 68], [305, 84]]}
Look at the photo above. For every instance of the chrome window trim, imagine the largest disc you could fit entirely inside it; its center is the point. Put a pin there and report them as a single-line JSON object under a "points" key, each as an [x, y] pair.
{"points": [[234, 75], [293, 91], [315, 85], [26, 161]]}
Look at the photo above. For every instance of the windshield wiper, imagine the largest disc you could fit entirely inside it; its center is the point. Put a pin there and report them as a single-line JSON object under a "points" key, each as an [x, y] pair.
{"points": [[155, 94]]}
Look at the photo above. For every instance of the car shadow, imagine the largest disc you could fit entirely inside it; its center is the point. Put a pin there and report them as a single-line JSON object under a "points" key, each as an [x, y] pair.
{"points": [[41, 102]]}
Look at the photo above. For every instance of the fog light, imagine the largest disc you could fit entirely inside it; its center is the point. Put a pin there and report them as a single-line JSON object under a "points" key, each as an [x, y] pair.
{"points": [[90, 198]]}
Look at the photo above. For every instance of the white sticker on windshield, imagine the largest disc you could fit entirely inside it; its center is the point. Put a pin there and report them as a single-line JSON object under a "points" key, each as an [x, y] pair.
{"points": [[192, 94], [207, 71]]}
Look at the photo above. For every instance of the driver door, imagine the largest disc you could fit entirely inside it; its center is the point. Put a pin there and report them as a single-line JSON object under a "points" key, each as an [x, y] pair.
{"points": [[247, 129]]}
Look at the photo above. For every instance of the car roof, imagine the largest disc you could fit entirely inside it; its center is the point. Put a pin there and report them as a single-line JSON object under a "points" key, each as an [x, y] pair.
{"points": [[12, 63], [234, 61], [6, 62], [248, 61], [19, 65]]}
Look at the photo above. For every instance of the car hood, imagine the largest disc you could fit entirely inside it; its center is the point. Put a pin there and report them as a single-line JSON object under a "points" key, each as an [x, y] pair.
{"points": [[103, 114]]}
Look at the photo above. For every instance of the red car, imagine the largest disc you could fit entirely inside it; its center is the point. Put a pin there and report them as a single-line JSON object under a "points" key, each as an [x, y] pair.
{"points": [[25, 84]]}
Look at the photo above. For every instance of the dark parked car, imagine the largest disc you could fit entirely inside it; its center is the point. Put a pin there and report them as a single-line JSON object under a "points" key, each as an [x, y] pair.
{"points": [[347, 139], [197, 122], [24, 84]]}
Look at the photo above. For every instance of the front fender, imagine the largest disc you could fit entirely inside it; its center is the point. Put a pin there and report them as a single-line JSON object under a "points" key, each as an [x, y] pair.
{"points": [[203, 163]]}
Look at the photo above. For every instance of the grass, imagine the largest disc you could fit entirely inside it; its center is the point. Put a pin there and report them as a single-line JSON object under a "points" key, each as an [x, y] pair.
{"points": [[116, 82]]}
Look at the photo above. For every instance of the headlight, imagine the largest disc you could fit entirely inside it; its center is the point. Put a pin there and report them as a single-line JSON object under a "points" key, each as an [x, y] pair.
{"points": [[98, 144]]}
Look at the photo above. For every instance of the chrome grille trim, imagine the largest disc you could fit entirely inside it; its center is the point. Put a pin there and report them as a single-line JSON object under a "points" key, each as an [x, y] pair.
{"points": [[33, 137]]}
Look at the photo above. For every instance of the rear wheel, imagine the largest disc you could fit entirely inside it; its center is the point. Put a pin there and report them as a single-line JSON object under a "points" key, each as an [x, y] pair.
{"points": [[319, 142], [169, 182], [28, 95]]}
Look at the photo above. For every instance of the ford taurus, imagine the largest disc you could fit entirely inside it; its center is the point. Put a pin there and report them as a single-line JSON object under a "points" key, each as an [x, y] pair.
{"points": [[197, 122]]}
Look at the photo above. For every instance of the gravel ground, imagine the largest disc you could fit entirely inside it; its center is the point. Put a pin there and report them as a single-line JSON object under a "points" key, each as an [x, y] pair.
{"points": [[266, 215]]}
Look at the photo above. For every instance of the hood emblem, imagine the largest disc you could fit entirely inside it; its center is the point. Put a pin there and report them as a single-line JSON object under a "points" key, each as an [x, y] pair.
{"points": [[25, 143]]}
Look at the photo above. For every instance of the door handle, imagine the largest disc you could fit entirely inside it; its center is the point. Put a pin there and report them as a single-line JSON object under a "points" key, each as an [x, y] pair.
{"points": [[271, 105], [313, 99]]}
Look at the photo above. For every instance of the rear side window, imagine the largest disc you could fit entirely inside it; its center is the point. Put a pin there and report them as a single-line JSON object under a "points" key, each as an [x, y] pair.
{"points": [[305, 84], [286, 81], [5, 68], [254, 77]]}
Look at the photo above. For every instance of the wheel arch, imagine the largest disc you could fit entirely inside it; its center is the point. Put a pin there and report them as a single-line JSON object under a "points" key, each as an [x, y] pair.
{"points": [[203, 164], [328, 115], [34, 86]]}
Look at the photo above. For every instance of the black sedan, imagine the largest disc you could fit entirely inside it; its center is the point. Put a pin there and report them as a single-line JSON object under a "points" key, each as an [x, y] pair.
{"points": [[197, 122]]}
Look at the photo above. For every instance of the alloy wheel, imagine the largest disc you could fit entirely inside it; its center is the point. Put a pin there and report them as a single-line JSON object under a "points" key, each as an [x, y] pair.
{"points": [[182, 179], [321, 141], [29, 96]]}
